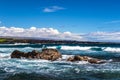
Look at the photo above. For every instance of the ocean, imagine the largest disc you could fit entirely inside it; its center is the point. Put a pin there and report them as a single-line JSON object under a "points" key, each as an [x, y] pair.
{"points": [[37, 69]]}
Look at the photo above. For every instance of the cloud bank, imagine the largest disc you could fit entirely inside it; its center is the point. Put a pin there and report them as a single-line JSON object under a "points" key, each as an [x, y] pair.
{"points": [[104, 36], [49, 33], [52, 9]]}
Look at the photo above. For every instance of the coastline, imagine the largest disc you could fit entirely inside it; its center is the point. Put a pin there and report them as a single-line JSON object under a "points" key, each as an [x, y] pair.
{"points": [[13, 40]]}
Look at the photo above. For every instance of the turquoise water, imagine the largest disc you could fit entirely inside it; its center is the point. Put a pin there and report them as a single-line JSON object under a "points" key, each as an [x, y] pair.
{"points": [[32, 69]]}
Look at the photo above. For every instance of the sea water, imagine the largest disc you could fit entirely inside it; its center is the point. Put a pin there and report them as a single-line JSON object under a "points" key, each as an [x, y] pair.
{"points": [[38, 69]]}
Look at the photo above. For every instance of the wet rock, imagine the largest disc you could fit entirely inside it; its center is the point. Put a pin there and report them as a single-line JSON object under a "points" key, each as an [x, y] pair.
{"points": [[47, 54], [85, 58], [78, 58], [93, 61], [70, 59], [17, 54], [96, 61], [32, 55], [50, 54]]}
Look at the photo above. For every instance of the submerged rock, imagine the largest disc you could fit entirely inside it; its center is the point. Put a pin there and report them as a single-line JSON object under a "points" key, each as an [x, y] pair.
{"points": [[47, 54], [93, 60], [85, 58], [78, 58]]}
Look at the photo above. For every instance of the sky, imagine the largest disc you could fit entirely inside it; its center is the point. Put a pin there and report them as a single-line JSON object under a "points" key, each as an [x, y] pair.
{"points": [[90, 20]]}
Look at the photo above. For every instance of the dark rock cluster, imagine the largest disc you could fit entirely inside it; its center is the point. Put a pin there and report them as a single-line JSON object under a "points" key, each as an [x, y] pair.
{"points": [[47, 54], [52, 54], [85, 58]]}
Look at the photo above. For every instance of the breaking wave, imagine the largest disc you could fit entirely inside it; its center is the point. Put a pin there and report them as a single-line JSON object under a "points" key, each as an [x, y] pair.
{"points": [[110, 49], [70, 47], [92, 48]]}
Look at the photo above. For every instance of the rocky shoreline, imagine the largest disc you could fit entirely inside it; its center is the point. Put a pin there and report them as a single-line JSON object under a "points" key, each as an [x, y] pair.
{"points": [[13, 40], [52, 55]]}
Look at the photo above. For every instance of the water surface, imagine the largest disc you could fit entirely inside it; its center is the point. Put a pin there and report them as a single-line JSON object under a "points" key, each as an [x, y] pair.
{"points": [[32, 69]]}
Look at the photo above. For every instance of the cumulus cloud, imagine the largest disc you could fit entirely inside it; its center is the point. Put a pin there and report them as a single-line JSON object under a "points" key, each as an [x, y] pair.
{"points": [[49, 33], [53, 9]]}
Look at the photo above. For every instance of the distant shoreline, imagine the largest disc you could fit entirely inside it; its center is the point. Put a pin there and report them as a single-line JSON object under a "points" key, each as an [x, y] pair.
{"points": [[12, 40]]}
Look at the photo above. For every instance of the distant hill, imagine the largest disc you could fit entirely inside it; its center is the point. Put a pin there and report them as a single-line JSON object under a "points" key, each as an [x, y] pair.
{"points": [[11, 40]]}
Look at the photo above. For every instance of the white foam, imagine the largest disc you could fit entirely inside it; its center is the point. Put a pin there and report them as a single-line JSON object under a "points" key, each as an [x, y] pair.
{"points": [[75, 48], [4, 55], [53, 47], [82, 62], [28, 48], [71, 47], [112, 49], [66, 56], [33, 60], [21, 44], [9, 70]]}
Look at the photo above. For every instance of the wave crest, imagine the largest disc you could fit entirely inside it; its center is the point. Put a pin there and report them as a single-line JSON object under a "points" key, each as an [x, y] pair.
{"points": [[92, 48]]}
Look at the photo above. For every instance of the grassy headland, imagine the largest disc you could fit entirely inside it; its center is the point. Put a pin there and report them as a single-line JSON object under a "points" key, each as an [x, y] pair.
{"points": [[3, 40]]}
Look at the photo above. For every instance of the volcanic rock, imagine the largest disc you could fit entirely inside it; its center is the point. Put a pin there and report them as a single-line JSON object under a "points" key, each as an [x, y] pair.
{"points": [[71, 59], [32, 55], [50, 54], [94, 61], [47, 54], [78, 58], [17, 54], [85, 58]]}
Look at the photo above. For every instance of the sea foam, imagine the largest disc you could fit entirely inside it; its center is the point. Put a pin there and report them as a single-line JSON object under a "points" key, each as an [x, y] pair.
{"points": [[110, 49], [70, 47]]}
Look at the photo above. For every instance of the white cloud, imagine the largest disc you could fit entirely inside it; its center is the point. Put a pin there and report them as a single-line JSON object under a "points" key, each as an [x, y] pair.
{"points": [[49, 33], [53, 9], [103, 36]]}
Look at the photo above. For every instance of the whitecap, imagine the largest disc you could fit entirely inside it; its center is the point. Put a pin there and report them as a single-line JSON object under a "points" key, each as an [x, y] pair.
{"points": [[70, 47], [110, 49], [9, 69]]}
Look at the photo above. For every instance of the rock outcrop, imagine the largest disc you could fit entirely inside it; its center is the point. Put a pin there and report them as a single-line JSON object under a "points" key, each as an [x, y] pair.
{"points": [[50, 54], [17, 54], [47, 54], [32, 55], [78, 58], [85, 58]]}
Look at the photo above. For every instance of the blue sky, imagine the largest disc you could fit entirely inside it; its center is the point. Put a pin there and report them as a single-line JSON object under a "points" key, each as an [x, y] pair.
{"points": [[76, 16]]}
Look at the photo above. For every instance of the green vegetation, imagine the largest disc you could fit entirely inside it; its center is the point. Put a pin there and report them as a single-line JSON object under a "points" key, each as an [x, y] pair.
{"points": [[2, 40]]}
